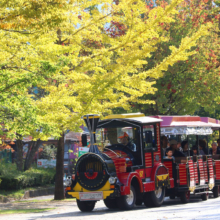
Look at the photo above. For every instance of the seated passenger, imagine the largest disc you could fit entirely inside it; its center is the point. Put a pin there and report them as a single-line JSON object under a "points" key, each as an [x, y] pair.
{"points": [[184, 145], [169, 154], [164, 144], [194, 151], [201, 152], [173, 146], [179, 148], [214, 150], [202, 147], [126, 141]]}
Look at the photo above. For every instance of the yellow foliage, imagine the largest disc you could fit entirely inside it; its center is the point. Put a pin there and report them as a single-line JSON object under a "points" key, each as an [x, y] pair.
{"points": [[96, 69]]}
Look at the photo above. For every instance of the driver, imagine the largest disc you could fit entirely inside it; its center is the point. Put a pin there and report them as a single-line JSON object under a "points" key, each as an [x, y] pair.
{"points": [[126, 141]]}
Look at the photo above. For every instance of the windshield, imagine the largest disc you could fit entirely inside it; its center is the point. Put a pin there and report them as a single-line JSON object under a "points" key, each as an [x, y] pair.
{"points": [[127, 136]]}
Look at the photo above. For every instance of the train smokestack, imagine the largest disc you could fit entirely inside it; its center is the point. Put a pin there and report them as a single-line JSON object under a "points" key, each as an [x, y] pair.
{"points": [[92, 123]]}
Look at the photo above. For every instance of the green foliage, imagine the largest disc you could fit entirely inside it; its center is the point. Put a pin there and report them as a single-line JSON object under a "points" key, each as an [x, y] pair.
{"points": [[18, 194], [190, 84], [49, 152], [13, 179], [20, 211]]}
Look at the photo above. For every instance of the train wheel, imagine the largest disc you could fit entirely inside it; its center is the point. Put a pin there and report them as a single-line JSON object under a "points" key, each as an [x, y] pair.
{"points": [[215, 191], [86, 206], [184, 197], [205, 196], [111, 203], [139, 202], [127, 202], [154, 198], [172, 197]]}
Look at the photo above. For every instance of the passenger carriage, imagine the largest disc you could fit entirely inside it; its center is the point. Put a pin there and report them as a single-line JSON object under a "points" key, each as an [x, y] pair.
{"points": [[124, 176], [215, 125], [193, 175]]}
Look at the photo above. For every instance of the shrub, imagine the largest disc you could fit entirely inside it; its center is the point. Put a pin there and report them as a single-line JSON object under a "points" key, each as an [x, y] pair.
{"points": [[13, 179]]}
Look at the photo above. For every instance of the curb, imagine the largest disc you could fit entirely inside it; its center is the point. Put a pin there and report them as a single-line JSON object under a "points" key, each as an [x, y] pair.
{"points": [[4, 199], [39, 192], [31, 194]]}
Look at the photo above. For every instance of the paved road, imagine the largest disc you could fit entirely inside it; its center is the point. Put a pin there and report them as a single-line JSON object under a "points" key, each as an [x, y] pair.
{"points": [[67, 210]]}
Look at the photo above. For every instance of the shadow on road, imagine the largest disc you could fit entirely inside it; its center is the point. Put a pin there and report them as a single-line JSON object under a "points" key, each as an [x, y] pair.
{"points": [[168, 207]]}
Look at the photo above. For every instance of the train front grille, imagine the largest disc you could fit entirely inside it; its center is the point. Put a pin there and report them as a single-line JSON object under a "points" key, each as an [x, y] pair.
{"points": [[91, 172]]}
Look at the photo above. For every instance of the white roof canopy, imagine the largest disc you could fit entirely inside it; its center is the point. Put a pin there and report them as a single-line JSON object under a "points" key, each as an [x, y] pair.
{"points": [[186, 130]]}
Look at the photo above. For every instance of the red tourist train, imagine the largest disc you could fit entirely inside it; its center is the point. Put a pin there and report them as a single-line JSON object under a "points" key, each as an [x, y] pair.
{"points": [[125, 166]]}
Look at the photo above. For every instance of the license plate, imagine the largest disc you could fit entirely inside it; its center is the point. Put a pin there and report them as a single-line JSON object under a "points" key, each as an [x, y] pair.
{"points": [[83, 196]]}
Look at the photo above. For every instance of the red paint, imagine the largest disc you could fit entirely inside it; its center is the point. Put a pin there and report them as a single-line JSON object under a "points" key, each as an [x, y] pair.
{"points": [[92, 177], [162, 170], [205, 171], [123, 177], [125, 190], [191, 171], [217, 169], [169, 165], [210, 166], [154, 170], [182, 174], [148, 172], [149, 186], [201, 170], [126, 179], [148, 160], [196, 172], [119, 159], [157, 155], [171, 183], [141, 173]]}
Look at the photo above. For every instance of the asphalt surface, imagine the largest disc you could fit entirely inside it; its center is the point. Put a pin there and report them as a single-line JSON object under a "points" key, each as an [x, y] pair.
{"points": [[67, 210]]}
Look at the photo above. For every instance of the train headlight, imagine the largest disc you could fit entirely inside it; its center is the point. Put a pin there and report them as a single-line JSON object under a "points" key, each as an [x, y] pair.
{"points": [[112, 180], [67, 181]]}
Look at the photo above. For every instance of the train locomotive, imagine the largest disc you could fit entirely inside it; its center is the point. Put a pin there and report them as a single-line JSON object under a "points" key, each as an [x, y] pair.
{"points": [[125, 166]]}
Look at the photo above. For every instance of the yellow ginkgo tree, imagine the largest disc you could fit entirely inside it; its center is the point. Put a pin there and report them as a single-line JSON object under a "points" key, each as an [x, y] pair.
{"points": [[86, 57], [100, 69]]}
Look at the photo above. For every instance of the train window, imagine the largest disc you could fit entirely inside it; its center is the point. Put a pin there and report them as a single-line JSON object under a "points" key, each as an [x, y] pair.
{"points": [[150, 144], [127, 136]]}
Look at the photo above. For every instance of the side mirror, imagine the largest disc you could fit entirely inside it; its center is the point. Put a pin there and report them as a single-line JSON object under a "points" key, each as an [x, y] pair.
{"points": [[148, 137], [84, 140]]}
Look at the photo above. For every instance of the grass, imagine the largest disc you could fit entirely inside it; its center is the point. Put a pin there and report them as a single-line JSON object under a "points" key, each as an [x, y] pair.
{"points": [[34, 200], [13, 194], [43, 200], [18, 194], [23, 211]]}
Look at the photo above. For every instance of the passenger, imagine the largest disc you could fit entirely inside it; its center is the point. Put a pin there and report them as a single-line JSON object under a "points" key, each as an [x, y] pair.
{"points": [[179, 148], [164, 144], [184, 145], [214, 150], [201, 152], [194, 151], [202, 147], [173, 146], [169, 154], [126, 141]]}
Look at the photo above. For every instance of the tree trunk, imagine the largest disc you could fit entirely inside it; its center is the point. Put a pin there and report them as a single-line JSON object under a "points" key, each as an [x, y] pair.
{"points": [[32, 149], [19, 159], [59, 188]]}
